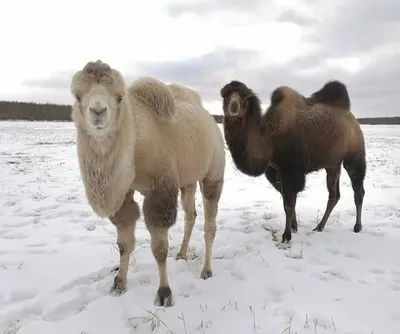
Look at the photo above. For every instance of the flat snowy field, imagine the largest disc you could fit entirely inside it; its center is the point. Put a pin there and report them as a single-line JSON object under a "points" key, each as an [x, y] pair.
{"points": [[56, 256]]}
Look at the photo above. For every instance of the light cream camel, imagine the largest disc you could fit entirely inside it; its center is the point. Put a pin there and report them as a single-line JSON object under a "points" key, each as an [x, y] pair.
{"points": [[152, 138]]}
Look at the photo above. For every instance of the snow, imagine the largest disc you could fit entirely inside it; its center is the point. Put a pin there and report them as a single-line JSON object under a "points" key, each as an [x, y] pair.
{"points": [[56, 255]]}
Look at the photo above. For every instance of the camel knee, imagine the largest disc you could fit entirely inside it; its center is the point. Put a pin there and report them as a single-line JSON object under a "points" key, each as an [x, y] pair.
{"points": [[125, 220], [359, 192], [159, 244], [212, 190], [210, 231], [289, 203], [334, 197], [191, 216], [274, 178], [356, 168], [188, 202], [126, 239], [127, 214], [357, 182]]}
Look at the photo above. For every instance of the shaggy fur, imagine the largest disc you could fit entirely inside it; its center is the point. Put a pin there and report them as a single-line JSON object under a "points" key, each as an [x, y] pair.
{"points": [[296, 136], [152, 138]]}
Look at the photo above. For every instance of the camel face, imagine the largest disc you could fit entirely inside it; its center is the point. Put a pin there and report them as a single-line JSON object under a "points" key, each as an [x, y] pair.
{"points": [[100, 109], [235, 105], [235, 96], [98, 92]]}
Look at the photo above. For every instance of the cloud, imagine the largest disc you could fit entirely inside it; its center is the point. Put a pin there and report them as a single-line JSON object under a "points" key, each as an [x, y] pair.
{"points": [[291, 16], [356, 42], [60, 80], [204, 44], [210, 72], [206, 7], [355, 27], [202, 73], [373, 90]]}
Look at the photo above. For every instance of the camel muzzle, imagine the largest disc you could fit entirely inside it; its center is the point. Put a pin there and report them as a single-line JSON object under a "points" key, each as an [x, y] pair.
{"points": [[234, 108]]}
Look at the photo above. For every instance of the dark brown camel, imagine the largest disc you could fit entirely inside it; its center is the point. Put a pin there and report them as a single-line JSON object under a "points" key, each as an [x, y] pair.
{"points": [[296, 136]]}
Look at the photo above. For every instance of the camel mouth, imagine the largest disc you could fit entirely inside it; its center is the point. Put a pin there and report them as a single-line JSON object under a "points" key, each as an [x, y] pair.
{"points": [[234, 114], [98, 124], [234, 109]]}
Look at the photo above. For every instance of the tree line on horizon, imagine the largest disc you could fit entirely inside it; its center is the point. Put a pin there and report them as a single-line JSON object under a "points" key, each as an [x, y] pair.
{"points": [[32, 111]]}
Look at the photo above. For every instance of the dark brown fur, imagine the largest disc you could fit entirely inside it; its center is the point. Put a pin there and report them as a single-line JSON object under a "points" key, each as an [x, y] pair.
{"points": [[160, 207], [333, 93], [296, 136]]}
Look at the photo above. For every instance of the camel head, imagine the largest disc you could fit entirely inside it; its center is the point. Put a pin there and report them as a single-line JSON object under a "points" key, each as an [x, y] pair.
{"points": [[235, 97], [99, 91]]}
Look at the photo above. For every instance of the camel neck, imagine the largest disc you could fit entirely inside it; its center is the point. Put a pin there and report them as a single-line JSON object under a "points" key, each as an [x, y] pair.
{"points": [[247, 143]]}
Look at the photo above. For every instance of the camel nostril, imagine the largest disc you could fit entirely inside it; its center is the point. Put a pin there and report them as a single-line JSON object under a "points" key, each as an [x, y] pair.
{"points": [[234, 108], [98, 111]]}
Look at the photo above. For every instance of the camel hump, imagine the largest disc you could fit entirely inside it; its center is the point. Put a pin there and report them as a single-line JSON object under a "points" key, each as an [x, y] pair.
{"points": [[185, 93], [333, 93], [156, 96], [287, 97]]}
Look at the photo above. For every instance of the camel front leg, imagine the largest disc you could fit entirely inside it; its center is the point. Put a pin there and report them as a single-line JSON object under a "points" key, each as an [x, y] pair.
{"points": [[160, 209], [293, 181], [125, 222], [273, 176]]}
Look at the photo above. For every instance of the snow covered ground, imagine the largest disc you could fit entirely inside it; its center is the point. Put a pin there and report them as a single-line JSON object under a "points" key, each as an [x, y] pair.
{"points": [[56, 256]]}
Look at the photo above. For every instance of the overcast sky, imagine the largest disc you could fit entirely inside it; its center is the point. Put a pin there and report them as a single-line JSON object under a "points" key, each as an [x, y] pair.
{"points": [[204, 44]]}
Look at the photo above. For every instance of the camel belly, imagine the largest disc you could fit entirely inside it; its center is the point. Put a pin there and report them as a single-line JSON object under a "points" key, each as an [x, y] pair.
{"points": [[187, 149], [188, 169]]}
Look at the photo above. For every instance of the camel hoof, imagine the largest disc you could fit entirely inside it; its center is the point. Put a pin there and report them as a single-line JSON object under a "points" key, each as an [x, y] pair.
{"points": [[357, 228], [286, 236], [318, 228], [180, 256], [118, 287], [294, 229], [164, 297], [206, 274]]}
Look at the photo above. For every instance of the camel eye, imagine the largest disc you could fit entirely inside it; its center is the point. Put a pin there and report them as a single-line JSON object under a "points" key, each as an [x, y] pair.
{"points": [[78, 98], [119, 98]]}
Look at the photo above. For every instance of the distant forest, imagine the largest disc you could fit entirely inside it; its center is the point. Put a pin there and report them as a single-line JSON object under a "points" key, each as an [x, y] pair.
{"points": [[57, 112]]}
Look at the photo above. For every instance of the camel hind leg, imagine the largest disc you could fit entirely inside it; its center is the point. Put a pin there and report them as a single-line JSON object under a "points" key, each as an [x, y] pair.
{"points": [[356, 169], [189, 207], [211, 191], [332, 183]]}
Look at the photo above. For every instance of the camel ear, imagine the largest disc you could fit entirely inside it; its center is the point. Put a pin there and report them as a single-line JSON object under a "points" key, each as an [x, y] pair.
{"points": [[249, 94]]}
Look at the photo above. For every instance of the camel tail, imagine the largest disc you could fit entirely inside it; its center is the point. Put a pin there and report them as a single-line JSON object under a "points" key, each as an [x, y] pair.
{"points": [[333, 93]]}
